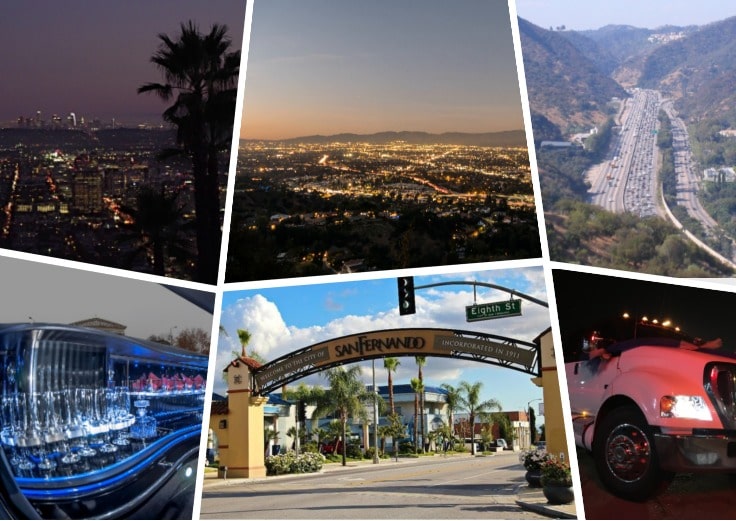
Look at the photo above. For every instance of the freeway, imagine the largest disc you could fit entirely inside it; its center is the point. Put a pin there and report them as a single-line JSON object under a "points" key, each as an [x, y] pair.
{"points": [[453, 487], [687, 180], [624, 182], [627, 181]]}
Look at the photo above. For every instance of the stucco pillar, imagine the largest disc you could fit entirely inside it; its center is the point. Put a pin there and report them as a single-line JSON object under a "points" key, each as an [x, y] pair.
{"points": [[245, 458], [554, 421]]}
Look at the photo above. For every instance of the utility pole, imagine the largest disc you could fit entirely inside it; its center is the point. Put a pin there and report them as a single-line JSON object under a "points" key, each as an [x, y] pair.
{"points": [[375, 416]]}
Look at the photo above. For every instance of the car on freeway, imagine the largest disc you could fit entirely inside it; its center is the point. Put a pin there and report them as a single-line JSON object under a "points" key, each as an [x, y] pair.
{"points": [[652, 405]]}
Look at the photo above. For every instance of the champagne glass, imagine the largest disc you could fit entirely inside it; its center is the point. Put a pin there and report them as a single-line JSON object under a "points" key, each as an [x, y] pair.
{"points": [[123, 417], [105, 398], [24, 465], [85, 405], [8, 418]]}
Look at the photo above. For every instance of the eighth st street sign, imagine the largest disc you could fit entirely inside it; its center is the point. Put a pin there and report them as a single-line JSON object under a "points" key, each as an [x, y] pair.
{"points": [[506, 308]]}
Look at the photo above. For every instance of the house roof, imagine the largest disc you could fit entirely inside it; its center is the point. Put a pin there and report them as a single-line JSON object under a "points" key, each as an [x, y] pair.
{"points": [[98, 323], [540, 335], [251, 363], [219, 405], [278, 399], [406, 389]]}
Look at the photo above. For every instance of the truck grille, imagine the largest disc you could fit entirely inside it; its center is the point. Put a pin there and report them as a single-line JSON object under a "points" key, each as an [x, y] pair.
{"points": [[720, 384]]}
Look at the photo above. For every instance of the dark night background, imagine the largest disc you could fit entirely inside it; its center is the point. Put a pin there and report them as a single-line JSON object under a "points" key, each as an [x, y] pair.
{"points": [[590, 301]]}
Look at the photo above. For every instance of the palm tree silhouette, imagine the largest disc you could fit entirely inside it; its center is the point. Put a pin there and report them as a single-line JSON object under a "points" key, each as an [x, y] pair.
{"points": [[157, 223], [201, 76]]}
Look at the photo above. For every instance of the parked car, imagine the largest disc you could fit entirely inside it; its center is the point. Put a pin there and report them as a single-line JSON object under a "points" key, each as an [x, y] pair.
{"points": [[650, 407], [501, 444], [331, 447]]}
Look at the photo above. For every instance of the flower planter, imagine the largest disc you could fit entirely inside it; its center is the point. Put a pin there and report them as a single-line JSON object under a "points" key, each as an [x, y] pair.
{"points": [[534, 478], [558, 494]]}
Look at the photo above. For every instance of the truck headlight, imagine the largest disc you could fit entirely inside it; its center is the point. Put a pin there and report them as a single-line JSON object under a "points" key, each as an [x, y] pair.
{"points": [[682, 406]]}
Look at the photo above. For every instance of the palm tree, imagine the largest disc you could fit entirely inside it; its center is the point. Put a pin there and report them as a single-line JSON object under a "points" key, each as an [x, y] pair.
{"points": [[418, 387], [396, 429], [421, 360], [391, 364], [156, 219], [318, 435], [200, 76], [445, 436], [292, 433], [334, 433], [385, 431], [470, 400], [269, 434], [311, 395], [244, 337], [452, 398], [347, 396]]}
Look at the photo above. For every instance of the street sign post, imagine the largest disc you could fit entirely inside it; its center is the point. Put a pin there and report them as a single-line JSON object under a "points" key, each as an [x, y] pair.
{"points": [[506, 308]]}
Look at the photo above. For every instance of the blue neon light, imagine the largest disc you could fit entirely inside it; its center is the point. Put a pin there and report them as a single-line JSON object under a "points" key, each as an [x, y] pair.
{"points": [[59, 493]]}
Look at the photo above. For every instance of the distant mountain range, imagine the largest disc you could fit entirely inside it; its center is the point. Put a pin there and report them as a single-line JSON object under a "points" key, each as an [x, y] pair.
{"points": [[565, 87], [699, 71], [510, 138]]}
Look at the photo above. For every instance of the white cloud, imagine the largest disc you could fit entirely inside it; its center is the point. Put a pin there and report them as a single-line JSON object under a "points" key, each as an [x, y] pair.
{"points": [[272, 338]]}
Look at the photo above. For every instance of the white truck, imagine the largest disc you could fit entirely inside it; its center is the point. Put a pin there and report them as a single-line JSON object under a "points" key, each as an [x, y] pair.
{"points": [[648, 408]]}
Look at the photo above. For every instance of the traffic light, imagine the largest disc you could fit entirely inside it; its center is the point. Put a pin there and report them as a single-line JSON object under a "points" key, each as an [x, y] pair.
{"points": [[406, 296], [302, 412]]}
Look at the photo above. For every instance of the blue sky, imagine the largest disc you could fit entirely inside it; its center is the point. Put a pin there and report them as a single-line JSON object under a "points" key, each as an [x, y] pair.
{"points": [[584, 14], [329, 66], [283, 319]]}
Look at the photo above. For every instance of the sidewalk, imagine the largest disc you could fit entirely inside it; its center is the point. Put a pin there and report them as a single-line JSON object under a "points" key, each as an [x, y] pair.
{"points": [[533, 500], [527, 498]]}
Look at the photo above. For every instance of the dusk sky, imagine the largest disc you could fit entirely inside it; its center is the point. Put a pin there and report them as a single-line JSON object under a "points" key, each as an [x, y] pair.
{"points": [[284, 319], [330, 66], [90, 57], [584, 14]]}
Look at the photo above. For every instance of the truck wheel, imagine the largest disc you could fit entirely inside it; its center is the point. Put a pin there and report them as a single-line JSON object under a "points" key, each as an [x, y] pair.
{"points": [[625, 456]]}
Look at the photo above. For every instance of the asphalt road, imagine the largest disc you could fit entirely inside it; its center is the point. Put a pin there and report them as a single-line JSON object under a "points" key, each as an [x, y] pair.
{"points": [[688, 496], [424, 488], [625, 181]]}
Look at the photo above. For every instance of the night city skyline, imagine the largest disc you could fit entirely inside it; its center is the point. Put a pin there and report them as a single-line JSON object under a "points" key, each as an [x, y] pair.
{"points": [[90, 58], [92, 168]]}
